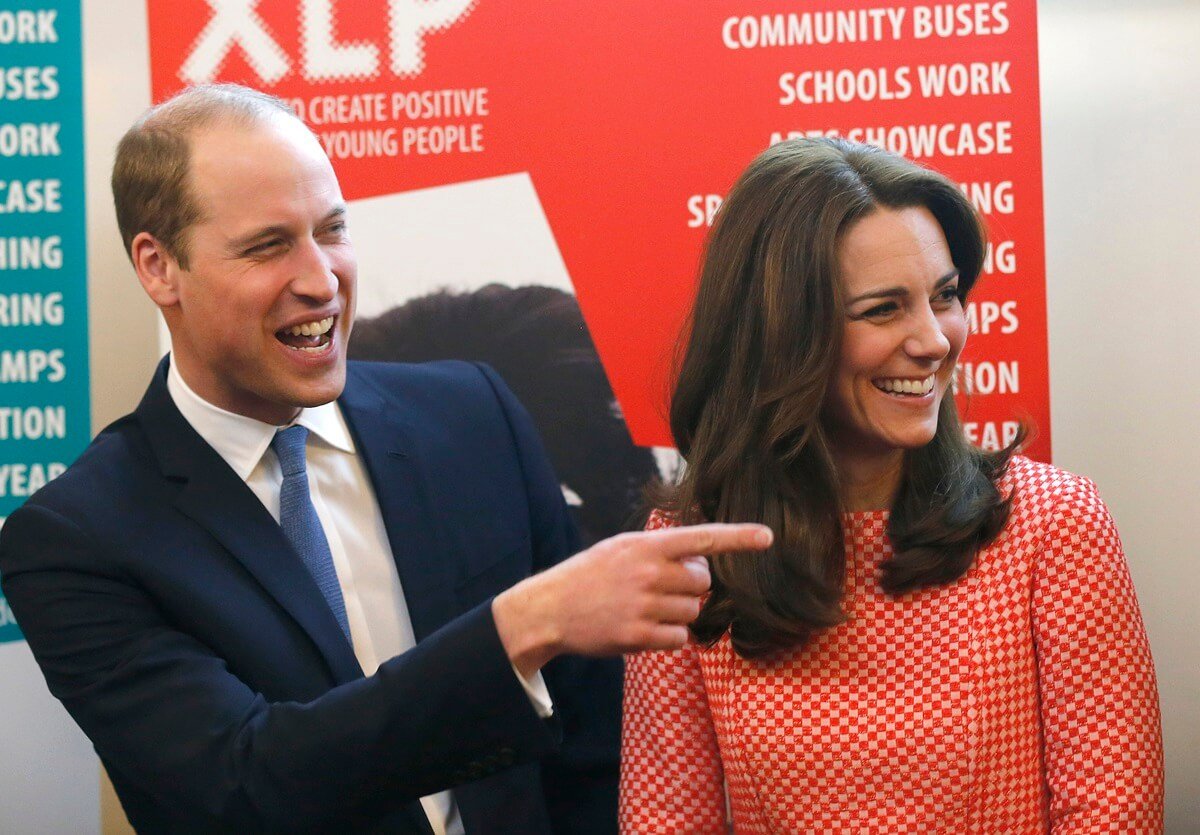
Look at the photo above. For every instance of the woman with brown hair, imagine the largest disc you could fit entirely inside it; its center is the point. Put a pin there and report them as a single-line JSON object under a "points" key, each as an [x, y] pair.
{"points": [[941, 639]]}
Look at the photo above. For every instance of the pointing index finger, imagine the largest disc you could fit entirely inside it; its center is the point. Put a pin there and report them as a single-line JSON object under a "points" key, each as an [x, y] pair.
{"points": [[712, 538]]}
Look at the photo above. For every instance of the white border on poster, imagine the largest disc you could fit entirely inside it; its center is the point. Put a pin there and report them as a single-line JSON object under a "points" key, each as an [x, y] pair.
{"points": [[459, 237]]}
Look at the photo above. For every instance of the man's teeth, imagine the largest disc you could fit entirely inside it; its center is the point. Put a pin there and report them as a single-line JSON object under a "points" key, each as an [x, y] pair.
{"points": [[898, 386], [312, 328]]}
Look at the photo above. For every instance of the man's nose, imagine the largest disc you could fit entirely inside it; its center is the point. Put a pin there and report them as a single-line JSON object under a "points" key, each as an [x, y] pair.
{"points": [[315, 278]]}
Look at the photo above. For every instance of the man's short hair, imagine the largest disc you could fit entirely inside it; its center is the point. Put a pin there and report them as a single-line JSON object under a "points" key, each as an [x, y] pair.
{"points": [[150, 175]]}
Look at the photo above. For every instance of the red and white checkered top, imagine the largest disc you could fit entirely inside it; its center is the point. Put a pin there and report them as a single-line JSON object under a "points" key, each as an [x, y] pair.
{"points": [[1018, 699]]}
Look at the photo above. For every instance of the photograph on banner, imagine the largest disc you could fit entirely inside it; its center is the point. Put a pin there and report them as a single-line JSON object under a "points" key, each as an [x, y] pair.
{"points": [[531, 184]]}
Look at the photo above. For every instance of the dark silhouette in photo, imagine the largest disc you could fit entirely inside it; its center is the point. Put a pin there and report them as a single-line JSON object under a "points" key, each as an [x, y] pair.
{"points": [[535, 337]]}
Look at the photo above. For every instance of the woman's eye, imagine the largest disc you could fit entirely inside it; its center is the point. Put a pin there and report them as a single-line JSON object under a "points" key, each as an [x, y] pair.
{"points": [[948, 295], [879, 311]]}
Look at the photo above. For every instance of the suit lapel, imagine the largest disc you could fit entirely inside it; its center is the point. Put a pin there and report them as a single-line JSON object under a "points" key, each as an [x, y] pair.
{"points": [[215, 498], [383, 434]]}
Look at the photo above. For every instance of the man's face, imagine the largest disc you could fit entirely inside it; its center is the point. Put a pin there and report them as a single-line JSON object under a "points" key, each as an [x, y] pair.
{"points": [[266, 304]]}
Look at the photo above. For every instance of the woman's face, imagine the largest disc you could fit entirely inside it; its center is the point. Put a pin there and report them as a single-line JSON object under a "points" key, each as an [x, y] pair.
{"points": [[903, 331]]}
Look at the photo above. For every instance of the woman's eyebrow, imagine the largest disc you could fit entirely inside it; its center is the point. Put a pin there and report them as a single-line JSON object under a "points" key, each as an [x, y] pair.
{"points": [[900, 292]]}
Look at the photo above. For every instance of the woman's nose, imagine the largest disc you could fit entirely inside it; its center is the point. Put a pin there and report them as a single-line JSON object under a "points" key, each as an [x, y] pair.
{"points": [[926, 339]]}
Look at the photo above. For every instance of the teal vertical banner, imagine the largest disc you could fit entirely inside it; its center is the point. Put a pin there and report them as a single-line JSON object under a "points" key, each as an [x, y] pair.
{"points": [[45, 419]]}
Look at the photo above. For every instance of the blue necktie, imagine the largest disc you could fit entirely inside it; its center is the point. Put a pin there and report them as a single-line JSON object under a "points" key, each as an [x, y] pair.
{"points": [[299, 521]]}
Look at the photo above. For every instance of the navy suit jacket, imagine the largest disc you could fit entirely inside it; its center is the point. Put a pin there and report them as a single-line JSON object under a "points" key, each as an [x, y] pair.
{"points": [[172, 619]]}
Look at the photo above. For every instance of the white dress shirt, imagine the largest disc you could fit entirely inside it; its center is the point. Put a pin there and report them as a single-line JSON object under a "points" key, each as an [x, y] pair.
{"points": [[345, 502]]}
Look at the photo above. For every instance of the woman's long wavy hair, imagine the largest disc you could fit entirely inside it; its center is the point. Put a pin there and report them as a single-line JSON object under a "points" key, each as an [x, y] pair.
{"points": [[763, 342]]}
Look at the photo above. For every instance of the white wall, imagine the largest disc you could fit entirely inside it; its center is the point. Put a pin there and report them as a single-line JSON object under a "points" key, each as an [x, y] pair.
{"points": [[1121, 115], [48, 771], [123, 340]]}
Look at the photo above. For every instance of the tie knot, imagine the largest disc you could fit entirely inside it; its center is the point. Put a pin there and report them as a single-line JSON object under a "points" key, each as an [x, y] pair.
{"points": [[289, 449]]}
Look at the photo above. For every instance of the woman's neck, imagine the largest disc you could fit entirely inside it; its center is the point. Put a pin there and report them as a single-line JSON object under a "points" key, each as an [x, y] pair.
{"points": [[869, 482]]}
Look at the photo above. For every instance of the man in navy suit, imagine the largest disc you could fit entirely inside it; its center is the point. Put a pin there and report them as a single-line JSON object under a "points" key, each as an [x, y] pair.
{"points": [[286, 594]]}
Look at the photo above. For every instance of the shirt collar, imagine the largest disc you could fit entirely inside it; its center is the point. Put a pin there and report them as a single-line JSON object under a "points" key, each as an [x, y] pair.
{"points": [[326, 422], [240, 440]]}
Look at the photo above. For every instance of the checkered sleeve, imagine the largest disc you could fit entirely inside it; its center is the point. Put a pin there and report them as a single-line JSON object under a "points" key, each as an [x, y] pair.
{"points": [[1100, 714], [671, 775]]}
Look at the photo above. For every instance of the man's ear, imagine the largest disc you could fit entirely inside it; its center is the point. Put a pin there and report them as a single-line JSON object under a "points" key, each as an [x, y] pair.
{"points": [[156, 269]]}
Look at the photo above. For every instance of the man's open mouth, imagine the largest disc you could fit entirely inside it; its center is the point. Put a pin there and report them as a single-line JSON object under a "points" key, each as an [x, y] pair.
{"points": [[308, 336]]}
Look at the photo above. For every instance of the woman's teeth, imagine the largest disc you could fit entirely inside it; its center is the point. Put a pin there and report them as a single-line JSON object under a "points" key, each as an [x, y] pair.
{"points": [[901, 386]]}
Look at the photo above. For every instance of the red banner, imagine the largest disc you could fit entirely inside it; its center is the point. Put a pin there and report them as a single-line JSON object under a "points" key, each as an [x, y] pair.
{"points": [[633, 118]]}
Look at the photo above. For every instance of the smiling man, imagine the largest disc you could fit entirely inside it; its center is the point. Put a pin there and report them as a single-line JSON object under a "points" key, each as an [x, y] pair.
{"points": [[288, 593], [259, 298]]}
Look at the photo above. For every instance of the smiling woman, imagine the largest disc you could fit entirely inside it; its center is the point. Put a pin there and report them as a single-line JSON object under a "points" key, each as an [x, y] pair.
{"points": [[930, 643], [904, 331], [833, 286]]}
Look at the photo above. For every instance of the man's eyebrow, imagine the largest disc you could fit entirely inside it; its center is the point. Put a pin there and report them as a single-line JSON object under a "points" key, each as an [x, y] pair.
{"points": [[900, 292]]}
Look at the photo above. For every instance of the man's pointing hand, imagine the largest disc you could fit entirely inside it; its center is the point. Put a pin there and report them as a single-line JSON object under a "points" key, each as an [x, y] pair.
{"points": [[634, 591]]}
